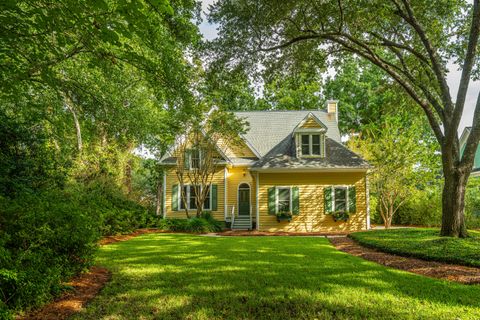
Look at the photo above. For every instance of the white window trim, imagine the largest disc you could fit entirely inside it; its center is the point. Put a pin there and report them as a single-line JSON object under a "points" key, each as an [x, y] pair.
{"points": [[187, 197], [199, 159], [276, 197], [347, 200], [310, 144]]}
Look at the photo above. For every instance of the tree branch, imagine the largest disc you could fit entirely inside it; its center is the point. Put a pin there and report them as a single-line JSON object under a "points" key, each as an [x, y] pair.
{"points": [[466, 72]]}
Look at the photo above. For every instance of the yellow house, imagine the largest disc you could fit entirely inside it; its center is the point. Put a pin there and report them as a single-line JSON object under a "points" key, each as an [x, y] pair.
{"points": [[292, 173]]}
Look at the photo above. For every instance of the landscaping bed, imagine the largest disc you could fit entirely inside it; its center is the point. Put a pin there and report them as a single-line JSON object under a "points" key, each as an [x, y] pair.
{"points": [[423, 243], [433, 269], [83, 288]]}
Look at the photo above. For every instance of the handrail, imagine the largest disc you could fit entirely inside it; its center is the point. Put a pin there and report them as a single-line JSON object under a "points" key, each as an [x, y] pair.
{"points": [[233, 216], [251, 217]]}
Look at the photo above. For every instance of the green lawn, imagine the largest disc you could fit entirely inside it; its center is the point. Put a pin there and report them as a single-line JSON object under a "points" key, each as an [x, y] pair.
{"points": [[174, 276], [425, 244]]}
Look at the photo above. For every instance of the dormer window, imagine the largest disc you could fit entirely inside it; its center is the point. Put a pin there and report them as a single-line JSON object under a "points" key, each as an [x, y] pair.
{"points": [[309, 137], [311, 145]]}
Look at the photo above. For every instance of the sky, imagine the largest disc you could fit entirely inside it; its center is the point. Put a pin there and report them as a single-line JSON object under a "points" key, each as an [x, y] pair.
{"points": [[209, 32]]}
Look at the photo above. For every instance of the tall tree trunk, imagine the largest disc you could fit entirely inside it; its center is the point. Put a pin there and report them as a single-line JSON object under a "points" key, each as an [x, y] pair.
{"points": [[128, 176], [69, 105], [453, 203]]}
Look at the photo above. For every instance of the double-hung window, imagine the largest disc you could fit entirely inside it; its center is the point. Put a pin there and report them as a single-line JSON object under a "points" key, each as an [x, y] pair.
{"points": [[311, 144], [191, 198], [340, 199], [195, 158], [284, 199]]}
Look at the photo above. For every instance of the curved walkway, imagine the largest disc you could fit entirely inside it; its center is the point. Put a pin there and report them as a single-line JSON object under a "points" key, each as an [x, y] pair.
{"points": [[451, 272]]}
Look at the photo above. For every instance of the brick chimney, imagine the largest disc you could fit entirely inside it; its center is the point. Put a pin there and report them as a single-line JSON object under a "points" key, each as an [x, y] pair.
{"points": [[332, 109]]}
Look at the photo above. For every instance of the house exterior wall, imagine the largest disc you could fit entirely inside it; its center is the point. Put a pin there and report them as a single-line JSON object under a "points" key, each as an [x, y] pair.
{"points": [[235, 177], [236, 149], [171, 179], [312, 217]]}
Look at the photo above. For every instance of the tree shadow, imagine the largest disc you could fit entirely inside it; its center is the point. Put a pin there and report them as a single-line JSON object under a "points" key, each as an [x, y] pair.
{"points": [[191, 277]]}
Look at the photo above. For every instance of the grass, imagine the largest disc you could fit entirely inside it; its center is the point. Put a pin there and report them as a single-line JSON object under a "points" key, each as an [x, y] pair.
{"points": [[175, 276], [424, 244]]}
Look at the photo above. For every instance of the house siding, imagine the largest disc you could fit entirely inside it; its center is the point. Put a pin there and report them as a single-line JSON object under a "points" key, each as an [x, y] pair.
{"points": [[310, 123], [171, 179], [312, 217]]}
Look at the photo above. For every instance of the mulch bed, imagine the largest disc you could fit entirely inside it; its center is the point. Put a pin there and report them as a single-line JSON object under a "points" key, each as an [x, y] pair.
{"points": [[85, 287], [451, 272], [278, 233]]}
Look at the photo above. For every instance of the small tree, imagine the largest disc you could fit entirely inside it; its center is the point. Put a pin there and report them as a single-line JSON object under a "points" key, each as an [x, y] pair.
{"points": [[402, 161], [199, 153]]}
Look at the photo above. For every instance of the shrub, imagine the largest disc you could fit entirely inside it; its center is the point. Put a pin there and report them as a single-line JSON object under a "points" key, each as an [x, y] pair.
{"points": [[47, 237], [204, 224]]}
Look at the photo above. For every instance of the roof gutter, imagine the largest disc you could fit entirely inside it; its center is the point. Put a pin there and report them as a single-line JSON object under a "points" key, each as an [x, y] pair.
{"points": [[285, 170]]}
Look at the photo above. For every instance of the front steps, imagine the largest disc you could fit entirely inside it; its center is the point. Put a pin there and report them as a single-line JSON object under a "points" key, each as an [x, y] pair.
{"points": [[242, 223]]}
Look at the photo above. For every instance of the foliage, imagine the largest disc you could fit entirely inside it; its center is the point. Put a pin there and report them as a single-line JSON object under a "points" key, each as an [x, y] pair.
{"points": [[178, 276], [83, 85], [284, 215], [423, 207], [398, 37], [46, 238], [204, 224], [198, 152], [403, 161], [423, 244], [340, 215]]}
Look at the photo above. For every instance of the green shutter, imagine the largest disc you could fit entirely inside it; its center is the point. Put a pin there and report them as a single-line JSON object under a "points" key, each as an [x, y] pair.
{"points": [[295, 201], [214, 197], [352, 199], [271, 201], [328, 199], [175, 197], [186, 158]]}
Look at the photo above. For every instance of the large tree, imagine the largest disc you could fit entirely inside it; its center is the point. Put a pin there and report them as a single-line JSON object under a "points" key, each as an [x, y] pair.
{"points": [[411, 41]]}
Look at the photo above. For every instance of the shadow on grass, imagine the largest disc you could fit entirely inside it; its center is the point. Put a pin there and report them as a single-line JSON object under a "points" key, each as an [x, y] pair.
{"points": [[183, 276]]}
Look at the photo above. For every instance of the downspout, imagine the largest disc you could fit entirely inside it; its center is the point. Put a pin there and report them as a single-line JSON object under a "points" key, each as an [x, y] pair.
{"points": [[164, 194], [257, 201]]}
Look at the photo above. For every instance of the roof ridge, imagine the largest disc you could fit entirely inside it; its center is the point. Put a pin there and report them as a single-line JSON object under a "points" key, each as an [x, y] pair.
{"points": [[268, 111]]}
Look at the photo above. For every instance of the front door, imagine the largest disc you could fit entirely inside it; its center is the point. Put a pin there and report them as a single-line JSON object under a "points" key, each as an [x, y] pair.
{"points": [[244, 199]]}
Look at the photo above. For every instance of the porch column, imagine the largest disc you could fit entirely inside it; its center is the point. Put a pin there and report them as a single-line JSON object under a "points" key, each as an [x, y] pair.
{"points": [[225, 190]]}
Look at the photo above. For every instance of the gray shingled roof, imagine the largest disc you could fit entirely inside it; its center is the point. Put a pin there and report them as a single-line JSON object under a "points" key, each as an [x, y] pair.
{"points": [[270, 134], [269, 128], [337, 157]]}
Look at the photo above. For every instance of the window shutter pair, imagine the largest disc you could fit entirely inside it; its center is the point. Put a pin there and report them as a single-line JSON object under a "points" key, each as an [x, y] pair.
{"points": [[213, 193], [328, 198], [272, 200]]}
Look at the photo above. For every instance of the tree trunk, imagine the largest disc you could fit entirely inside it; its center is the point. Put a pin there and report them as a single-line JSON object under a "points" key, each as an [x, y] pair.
{"points": [[78, 130], [453, 203], [128, 176]]}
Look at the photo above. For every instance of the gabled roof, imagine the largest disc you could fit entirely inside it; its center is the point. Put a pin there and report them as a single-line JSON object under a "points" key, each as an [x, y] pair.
{"points": [[337, 157], [269, 128], [270, 137]]}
